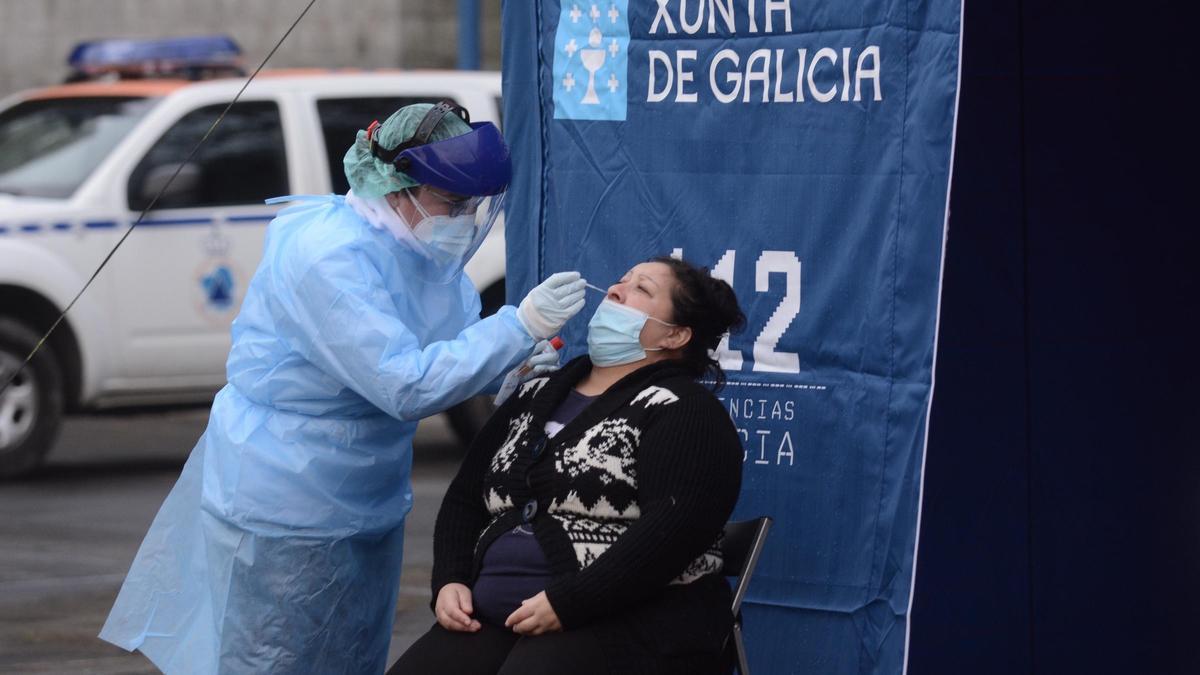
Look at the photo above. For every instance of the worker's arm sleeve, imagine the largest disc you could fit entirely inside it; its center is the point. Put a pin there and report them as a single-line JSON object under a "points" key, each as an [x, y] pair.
{"points": [[342, 317], [493, 387]]}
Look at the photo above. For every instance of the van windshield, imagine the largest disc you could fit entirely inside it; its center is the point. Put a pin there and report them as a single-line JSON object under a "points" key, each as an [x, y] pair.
{"points": [[48, 147]]}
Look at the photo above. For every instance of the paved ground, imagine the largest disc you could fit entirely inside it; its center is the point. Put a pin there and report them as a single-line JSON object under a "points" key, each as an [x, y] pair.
{"points": [[67, 536]]}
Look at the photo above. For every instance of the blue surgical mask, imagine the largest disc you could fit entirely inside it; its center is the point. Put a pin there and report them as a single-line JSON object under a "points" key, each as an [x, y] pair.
{"points": [[614, 334]]}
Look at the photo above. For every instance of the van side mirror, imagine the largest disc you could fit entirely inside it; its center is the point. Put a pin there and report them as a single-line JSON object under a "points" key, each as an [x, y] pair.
{"points": [[180, 192]]}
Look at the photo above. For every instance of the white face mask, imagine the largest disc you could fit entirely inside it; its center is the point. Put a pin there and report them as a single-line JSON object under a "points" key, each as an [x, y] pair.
{"points": [[448, 238]]}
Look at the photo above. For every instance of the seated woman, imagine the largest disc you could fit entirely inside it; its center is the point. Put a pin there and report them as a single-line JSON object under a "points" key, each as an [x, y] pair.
{"points": [[580, 533]]}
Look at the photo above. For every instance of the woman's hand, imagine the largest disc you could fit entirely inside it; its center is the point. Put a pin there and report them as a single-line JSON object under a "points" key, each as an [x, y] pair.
{"points": [[453, 609], [534, 617]]}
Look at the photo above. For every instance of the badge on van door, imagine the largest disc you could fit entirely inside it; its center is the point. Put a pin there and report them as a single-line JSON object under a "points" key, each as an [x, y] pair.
{"points": [[218, 280]]}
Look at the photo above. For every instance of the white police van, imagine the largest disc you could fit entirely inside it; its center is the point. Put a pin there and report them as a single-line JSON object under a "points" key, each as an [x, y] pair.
{"points": [[79, 162]]}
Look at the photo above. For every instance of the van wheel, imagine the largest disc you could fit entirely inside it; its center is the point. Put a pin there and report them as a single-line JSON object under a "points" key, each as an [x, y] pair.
{"points": [[31, 406], [468, 417]]}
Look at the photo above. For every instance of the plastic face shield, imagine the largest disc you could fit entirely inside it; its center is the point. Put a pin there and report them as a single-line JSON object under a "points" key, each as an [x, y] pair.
{"points": [[447, 242], [474, 164], [456, 205], [470, 173]]}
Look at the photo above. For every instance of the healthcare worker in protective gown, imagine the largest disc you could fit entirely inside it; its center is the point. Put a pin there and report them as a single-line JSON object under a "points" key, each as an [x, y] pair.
{"points": [[278, 550]]}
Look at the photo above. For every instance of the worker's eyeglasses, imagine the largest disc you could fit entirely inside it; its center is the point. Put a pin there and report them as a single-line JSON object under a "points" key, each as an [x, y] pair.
{"points": [[458, 204]]}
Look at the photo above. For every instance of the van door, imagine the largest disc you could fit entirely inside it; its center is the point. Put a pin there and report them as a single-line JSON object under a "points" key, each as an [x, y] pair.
{"points": [[182, 275]]}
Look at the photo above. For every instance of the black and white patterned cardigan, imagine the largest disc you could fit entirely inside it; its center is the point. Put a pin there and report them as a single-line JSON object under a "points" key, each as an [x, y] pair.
{"points": [[626, 499]]}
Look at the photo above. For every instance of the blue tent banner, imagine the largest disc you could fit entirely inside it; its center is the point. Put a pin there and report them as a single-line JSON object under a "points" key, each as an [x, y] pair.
{"points": [[800, 149]]}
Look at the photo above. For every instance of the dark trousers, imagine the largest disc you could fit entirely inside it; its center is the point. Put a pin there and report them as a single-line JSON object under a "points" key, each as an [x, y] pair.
{"points": [[495, 650]]}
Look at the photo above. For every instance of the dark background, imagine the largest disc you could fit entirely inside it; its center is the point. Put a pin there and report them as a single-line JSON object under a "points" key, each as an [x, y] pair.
{"points": [[1061, 509]]}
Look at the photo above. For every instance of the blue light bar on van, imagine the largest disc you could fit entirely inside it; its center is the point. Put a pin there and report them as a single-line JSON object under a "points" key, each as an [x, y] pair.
{"points": [[193, 56]]}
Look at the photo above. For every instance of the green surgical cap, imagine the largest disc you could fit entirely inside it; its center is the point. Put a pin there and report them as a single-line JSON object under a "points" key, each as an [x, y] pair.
{"points": [[372, 177]]}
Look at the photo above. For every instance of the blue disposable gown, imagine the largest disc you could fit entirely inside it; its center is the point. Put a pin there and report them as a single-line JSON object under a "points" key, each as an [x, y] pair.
{"points": [[278, 550]]}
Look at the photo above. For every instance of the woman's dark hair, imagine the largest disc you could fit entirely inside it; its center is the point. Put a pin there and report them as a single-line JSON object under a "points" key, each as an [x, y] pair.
{"points": [[709, 307]]}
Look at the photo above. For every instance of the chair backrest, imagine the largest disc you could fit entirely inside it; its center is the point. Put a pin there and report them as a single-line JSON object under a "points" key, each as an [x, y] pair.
{"points": [[741, 546]]}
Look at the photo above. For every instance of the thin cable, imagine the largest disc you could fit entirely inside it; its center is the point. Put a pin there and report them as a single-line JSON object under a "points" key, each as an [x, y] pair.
{"points": [[154, 201]]}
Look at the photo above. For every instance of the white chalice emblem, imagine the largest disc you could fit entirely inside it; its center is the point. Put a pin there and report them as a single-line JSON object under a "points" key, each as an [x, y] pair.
{"points": [[592, 59]]}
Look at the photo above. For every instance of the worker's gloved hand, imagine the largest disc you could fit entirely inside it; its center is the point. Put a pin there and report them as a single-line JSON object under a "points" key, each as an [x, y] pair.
{"points": [[551, 303], [543, 361]]}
